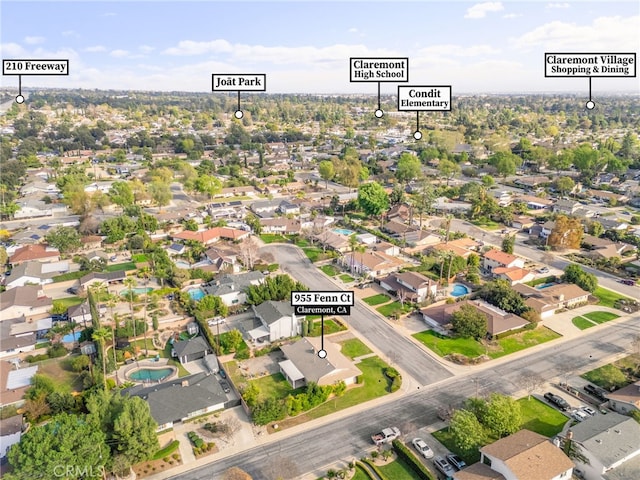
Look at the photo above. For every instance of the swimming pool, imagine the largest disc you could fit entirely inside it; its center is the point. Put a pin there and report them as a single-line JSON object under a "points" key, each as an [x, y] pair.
{"points": [[344, 231], [545, 285], [137, 291], [150, 374], [196, 294], [71, 337], [182, 264], [459, 290]]}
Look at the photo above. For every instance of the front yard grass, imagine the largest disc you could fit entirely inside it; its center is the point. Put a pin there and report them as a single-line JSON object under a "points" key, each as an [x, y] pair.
{"points": [[330, 326], [346, 278], [67, 302], [273, 238], [353, 348], [394, 307], [329, 270], [471, 348], [69, 276], [315, 254], [608, 297], [540, 417], [274, 386], [376, 299], [398, 469], [582, 323], [121, 266], [445, 438], [600, 317], [617, 374]]}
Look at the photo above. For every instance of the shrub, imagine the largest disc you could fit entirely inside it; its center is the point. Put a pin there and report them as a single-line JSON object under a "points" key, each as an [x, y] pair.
{"points": [[411, 460]]}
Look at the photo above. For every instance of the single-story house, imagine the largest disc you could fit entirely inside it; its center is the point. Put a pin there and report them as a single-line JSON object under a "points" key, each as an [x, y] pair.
{"points": [[14, 381], [497, 258], [547, 300], [522, 222], [625, 400], [303, 365], [102, 278], [36, 252], [513, 275], [10, 433], [231, 288], [28, 301], [212, 235], [371, 264], [181, 399], [192, 349], [34, 273]]}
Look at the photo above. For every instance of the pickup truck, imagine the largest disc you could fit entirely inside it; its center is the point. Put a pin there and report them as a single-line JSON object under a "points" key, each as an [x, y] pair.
{"points": [[385, 436]]}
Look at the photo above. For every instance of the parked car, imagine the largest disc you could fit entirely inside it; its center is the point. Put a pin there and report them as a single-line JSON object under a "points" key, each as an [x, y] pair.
{"points": [[73, 290], [222, 373], [444, 467], [588, 410], [557, 400], [423, 449], [456, 461], [216, 321], [627, 282], [579, 415], [543, 270], [225, 386], [599, 393]]}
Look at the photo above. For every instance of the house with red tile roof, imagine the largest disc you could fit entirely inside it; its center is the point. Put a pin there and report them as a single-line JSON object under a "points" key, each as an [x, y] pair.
{"points": [[212, 235], [36, 252], [497, 258]]}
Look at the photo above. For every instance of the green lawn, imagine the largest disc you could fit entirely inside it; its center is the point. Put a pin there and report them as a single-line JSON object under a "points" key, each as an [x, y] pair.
{"points": [[67, 302], [393, 307], [330, 326], [445, 438], [582, 323], [139, 258], [360, 474], [274, 386], [354, 348], [487, 224], [615, 374], [69, 276], [376, 299], [273, 237], [600, 317], [121, 266], [398, 470], [607, 297], [539, 417], [471, 348], [330, 270], [314, 253], [346, 278], [444, 346]]}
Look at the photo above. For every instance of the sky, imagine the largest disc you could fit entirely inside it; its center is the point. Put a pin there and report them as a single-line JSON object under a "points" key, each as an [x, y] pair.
{"points": [[305, 46]]}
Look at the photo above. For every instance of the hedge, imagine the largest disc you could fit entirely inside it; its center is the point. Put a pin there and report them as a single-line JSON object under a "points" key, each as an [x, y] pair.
{"points": [[411, 460]]}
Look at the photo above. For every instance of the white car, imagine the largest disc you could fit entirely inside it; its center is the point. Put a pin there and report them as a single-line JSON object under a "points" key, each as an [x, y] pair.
{"points": [[579, 415], [423, 449], [588, 410], [216, 321]]}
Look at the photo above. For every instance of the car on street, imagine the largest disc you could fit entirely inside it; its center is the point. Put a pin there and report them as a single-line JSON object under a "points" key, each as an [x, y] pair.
{"points": [[73, 290], [456, 461], [543, 270], [625, 281], [423, 449], [444, 467]]}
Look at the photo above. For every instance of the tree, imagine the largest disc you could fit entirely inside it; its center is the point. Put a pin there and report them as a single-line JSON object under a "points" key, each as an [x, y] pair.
{"points": [[574, 273], [249, 252], [508, 242], [65, 239], [502, 415], [327, 171], [561, 162], [232, 340], [499, 293], [102, 335], [448, 169], [66, 447], [564, 185], [408, 167], [160, 192], [469, 322], [467, 432], [134, 431], [373, 199], [531, 382], [121, 194], [566, 233], [208, 184]]}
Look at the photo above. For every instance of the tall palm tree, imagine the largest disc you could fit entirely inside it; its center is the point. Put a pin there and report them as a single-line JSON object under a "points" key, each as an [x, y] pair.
{"points": [[101, 335], [130, 283]]}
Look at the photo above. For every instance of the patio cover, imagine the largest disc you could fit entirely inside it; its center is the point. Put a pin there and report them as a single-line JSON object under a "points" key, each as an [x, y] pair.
{"points": [[291, 371], [259, 332]]}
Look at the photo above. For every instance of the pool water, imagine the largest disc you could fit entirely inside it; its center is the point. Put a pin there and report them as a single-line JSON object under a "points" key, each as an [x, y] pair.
{"points": [[459, 290], [196, 294], [71, 337], [137, 291], [182, 264], [344, 231], [147, 374], [545, 285]]}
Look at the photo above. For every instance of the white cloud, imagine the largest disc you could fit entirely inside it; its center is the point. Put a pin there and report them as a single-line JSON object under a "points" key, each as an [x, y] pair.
{"points": [[189, 47], [11, 50], [353, 30], [119, 53], [511, 15], [613, 34], [480, 10], [96, 49], [70, 33], [109, 14], [558, 5], [33, 40], [449, 50], [146, 48]]}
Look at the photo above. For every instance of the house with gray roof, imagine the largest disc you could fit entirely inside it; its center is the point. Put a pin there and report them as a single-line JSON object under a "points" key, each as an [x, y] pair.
{"points": [[303, 365], [29, 301], [10, 433], [278, 321], [34, 273], [231, 288], [610, 443], [190, 350], [180, 399]]}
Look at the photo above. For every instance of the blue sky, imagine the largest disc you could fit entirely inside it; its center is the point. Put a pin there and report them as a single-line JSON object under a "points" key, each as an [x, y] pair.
{"points": [[304, 47]]}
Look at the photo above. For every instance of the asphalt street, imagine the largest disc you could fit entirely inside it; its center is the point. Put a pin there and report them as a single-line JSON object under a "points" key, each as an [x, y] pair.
{"points": [[410, 358]]}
